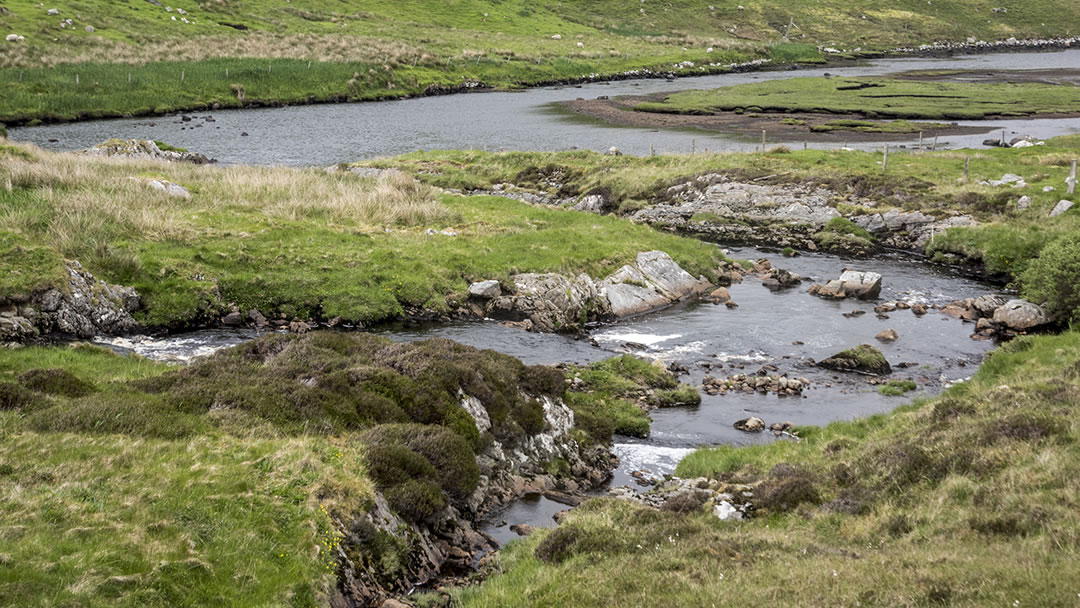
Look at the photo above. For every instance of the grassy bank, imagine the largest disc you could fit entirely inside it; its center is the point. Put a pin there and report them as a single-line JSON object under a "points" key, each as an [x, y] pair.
{"points": [[965, 500], [132, 483], [1004, 243], [875, 97], [163, 60], [302, 243]]}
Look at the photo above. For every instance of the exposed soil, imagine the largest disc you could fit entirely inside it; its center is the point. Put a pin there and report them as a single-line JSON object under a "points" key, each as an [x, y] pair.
{"points": [[787, 127]]}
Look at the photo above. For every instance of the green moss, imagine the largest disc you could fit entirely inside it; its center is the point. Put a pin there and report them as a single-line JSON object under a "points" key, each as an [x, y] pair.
{"points": [[164, 147], [896, 388], [862, 358]]}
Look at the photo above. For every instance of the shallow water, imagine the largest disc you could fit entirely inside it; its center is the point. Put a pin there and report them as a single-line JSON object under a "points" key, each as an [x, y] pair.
{"points": [[321, 135], [699, 335]]}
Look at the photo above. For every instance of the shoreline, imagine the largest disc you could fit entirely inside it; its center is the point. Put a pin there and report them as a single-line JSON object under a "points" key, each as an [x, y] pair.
{"points": [[839, 57]]}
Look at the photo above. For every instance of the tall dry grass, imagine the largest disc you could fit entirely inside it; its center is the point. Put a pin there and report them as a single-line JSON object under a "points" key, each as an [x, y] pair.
{"points": [[76, 201]]}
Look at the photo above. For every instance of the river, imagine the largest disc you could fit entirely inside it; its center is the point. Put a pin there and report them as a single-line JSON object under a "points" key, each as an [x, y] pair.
{"points": [[321, 135]]}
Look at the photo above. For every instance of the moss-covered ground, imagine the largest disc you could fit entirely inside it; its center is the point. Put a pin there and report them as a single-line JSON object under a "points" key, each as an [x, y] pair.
{"points": [[142, 58], [878, 97], [965, 500]]}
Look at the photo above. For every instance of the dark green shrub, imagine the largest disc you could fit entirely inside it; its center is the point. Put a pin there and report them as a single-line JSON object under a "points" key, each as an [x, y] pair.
{"points": [[1053, 279], [558, 546], [56, 382], [13, 396], [415, 499]]}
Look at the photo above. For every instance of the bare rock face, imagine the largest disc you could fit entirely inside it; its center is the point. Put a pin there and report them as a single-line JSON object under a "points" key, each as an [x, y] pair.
{"points": [[1020, 315], [851, 284], [85, 307], [553, 302]]}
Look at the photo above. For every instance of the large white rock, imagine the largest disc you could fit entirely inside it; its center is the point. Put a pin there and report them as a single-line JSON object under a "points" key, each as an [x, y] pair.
{"points": [[1020, 315], [1061, 207], [485, 289]]}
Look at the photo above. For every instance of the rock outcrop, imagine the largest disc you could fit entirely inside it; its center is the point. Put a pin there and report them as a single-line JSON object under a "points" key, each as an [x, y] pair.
{"points": [[554, 302], [851, 284], [83, 308], [144, 149], [1021, 315]]}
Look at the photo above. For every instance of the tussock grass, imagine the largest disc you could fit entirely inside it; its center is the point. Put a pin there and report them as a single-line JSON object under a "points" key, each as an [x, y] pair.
{"points": [[965, 500]]}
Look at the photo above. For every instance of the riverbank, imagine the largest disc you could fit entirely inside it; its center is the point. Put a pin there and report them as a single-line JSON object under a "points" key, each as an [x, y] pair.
{"points": [[199, 243], [225, 56], [964, 500]]}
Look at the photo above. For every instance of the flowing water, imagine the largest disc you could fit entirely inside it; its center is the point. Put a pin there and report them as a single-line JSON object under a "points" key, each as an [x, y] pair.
{"points": [[785, 329], [322, 135]]}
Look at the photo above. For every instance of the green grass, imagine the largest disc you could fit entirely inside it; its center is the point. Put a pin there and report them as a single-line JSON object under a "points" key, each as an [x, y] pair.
{"points": [[897, 388], [867, 126], [875, 97], [294, 54], [302, 243], [965, 500], [134, 483]]}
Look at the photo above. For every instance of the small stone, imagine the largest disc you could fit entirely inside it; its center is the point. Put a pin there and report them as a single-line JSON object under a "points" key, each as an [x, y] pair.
{"points": [[90, 29], [888, 335], [1023, 203], [750, 425]]}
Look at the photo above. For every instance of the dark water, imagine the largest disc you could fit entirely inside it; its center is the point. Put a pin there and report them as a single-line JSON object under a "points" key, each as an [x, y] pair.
{"points": [[325, 134], [532, 509]]}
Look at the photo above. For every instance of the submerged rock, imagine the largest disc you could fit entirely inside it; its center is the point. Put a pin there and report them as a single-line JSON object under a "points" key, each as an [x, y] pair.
{"points": [[750, 425], [862, 359], [888, 335]]}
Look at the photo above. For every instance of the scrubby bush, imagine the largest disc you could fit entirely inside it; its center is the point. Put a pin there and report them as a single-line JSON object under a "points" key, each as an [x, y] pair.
{"points": [[56, 382], [1053, 278], [13, 396]]}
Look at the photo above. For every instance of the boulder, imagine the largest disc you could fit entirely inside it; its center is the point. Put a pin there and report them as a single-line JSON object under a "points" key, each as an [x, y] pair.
{"points": [[851, 284], [862, 359], [1020, 315], [750, 425], [918, 308], [1023, 203], [485, 290], [144, 148], [1061, 207], [986, 305], [778, 278], [720, 295], [653, 282], [233, 319], [888, 335], [552, 302]]}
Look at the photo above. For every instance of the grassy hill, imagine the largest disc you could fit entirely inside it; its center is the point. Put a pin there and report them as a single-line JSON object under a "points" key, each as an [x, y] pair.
{"points": [[139, 57]]}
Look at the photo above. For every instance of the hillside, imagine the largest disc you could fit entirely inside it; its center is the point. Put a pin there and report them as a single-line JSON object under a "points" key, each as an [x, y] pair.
{"points": [[141, 57]]}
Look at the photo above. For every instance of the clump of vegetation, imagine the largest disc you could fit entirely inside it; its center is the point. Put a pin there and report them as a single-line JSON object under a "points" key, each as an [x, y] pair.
{"points": [[863, 358], [897, 388], [56, 382], [164, 147], [841, 235], [1053, 278]]}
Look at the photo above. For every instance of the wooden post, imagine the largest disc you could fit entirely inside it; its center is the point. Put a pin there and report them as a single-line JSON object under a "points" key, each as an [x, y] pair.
{"points": [[804, 145], [129, 77], [885, 159], [693, 145], [181, 76], [934, 148], [652, 151], [967, 165], [1072, 178], [920, 141], [226, 73], [763, 141], [1002, 139]]}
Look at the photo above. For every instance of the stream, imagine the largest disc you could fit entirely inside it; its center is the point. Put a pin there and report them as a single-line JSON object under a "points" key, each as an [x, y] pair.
{"points": [[766, 328], [321, 135]]}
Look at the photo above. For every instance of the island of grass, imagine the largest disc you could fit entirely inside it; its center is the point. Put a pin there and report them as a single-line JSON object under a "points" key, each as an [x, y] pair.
{"points": [[914, 96], [853, 109]]}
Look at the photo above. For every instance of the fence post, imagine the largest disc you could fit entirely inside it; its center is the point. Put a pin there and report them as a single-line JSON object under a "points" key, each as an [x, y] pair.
{"points": [[885, 159], [1072, 178]]}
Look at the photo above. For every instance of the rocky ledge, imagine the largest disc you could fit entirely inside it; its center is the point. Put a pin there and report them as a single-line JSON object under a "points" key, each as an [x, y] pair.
{"points": [[83, 307], [144, 149], [555, 302]]}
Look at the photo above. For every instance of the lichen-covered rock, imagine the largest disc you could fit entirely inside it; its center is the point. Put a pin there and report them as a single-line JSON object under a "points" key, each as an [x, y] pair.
{"points": [[144, 149], [750, 425], [485, 289], [1020, 315], [862, 359]]}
